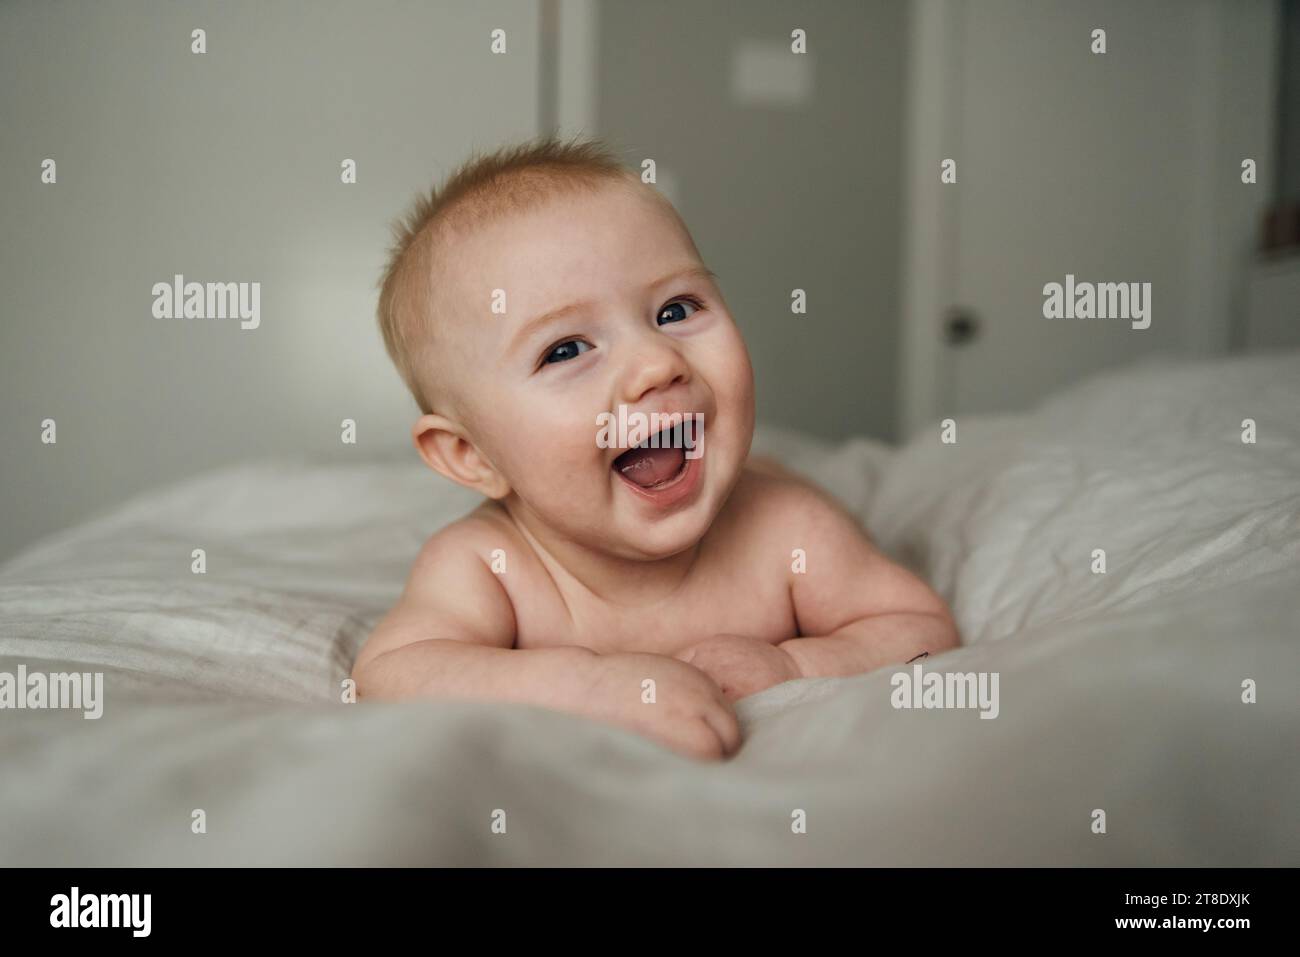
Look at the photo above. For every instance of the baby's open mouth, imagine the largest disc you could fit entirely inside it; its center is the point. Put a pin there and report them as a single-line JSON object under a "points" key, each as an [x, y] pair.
{"points": [[656, 462]]}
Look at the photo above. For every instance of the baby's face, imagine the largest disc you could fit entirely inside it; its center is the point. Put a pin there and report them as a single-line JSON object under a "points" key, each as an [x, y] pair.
{"points": [[648, 330]]}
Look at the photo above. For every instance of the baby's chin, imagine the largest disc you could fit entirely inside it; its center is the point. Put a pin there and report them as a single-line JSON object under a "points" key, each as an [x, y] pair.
{"points": [[629, 530], [658, 543], [631, 535], [642, 533]]}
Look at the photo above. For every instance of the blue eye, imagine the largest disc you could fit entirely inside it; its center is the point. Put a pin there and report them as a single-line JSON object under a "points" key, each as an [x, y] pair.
{"points": [[564, 351], [670, 312]]}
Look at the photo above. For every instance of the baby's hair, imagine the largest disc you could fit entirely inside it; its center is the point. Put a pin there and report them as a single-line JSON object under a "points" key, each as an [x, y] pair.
{"points": [[509, 180]]}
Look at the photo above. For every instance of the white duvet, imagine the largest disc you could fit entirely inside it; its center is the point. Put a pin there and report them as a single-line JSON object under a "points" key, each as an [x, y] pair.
{"points": [[1120, 692]]}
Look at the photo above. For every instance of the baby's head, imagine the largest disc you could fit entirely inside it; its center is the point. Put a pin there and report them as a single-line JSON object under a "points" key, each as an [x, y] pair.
{"points": [[539, 290]]}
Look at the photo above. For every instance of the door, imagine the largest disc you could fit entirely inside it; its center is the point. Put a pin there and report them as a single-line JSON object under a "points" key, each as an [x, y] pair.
{"points": [[1097, 141]]}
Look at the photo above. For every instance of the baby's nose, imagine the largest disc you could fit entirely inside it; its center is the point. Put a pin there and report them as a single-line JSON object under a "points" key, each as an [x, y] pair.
{"points": [[654, 370]]}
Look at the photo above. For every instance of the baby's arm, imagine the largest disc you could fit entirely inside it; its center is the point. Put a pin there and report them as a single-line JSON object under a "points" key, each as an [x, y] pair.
{"points": [[858, 610], [452, 635]]}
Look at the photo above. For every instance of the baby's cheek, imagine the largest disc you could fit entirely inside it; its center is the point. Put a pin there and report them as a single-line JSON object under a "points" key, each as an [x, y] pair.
{"points": [[536, 458], [742, 371]]}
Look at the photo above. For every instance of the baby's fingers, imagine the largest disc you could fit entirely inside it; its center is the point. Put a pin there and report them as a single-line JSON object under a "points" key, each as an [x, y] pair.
{"points": [[722, 720], [693, 737]]}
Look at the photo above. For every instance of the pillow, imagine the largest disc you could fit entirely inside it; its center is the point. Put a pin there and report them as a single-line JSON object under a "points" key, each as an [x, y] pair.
{"points": [[1131, 486]]}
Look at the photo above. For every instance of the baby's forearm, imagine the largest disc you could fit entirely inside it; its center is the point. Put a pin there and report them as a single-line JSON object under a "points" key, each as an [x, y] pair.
{"points": [[871, 643], [444, 668]]}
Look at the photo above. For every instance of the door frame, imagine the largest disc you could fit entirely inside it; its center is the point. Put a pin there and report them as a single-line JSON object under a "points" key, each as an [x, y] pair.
{"points": [[934, 34]]}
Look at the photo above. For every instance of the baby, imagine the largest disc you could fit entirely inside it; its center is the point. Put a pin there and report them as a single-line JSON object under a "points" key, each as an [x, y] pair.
{"points": [[540, 302]]}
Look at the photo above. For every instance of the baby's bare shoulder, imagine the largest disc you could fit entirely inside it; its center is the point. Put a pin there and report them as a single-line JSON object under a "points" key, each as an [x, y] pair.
{"points": [[451, 590], [486, 533], [772, 502]]}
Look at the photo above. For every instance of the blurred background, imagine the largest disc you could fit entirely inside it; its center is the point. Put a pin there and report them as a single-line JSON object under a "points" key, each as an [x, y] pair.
{"points": [[817, 171]]}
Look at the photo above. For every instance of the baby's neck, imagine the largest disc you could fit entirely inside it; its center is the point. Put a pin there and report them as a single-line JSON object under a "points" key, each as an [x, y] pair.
{"points": [[610, 578]]}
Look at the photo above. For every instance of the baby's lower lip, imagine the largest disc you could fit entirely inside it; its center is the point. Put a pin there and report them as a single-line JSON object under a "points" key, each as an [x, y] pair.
{"points": [[673, 490]]}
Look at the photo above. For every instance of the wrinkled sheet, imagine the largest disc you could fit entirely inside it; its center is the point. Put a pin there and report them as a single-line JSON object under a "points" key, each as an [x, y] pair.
{"points": [[1119, 691]]}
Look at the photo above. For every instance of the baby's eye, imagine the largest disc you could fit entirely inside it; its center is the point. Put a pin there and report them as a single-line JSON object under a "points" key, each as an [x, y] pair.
{"points": [[675, 311], [566, 350]]}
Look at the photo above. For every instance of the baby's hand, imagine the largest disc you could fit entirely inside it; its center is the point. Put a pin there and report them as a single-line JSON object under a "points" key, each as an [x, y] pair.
{"points": [[741, 666], [687, 711]]}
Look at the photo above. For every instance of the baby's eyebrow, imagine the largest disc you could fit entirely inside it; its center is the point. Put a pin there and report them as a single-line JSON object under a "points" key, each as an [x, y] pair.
{"points": [[545, 319], [582, 305]]}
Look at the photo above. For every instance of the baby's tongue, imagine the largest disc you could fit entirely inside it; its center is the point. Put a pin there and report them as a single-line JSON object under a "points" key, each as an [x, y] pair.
{"points": [[648, 467]]}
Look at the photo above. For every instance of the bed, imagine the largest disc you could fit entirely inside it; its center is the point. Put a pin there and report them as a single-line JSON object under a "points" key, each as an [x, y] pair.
{"points": [[1122, 691]]}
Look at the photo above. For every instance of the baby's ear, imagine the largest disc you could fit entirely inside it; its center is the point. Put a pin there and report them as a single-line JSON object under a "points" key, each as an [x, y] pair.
{"points": [[445, 449]]}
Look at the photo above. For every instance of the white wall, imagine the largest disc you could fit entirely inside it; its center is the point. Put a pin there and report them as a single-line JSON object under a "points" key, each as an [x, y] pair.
{"points": [[787, 169], [223, 167]]}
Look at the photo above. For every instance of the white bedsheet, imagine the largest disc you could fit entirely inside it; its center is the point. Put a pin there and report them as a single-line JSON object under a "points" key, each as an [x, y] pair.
{"points": [[1119, 691]]}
